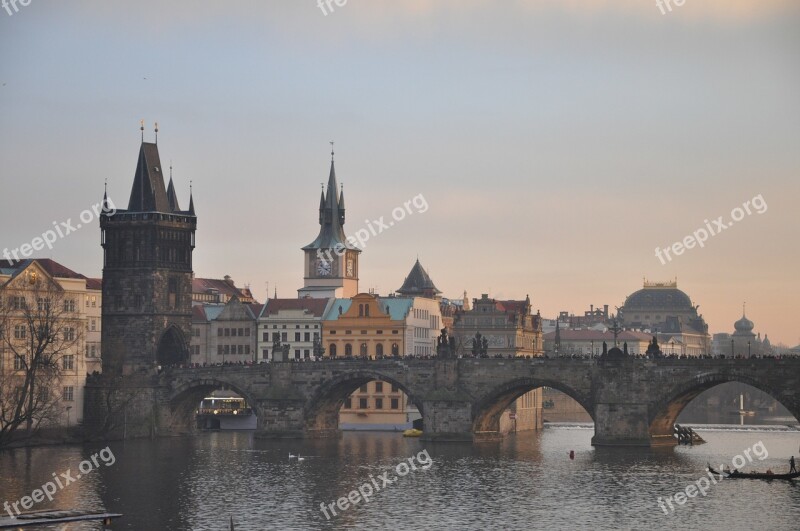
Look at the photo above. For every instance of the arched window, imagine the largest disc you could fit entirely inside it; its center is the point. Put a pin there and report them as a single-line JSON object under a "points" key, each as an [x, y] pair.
{"points": [[366, 310], [363, 349], [379, 349], [395, 349], [348, 349], [332, 350], [361, 310]]}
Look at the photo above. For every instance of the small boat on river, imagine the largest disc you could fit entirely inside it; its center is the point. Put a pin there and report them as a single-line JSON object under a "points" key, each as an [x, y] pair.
{"points": [[753, 475]]}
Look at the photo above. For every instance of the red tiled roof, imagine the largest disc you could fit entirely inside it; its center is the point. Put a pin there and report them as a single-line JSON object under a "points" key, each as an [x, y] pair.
{"points": [[202, 285], [315, 306], [199, 313], [53, 268], [94, 283]]}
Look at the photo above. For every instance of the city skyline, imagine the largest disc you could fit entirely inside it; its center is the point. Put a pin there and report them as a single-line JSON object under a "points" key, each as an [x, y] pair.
{"points": [[562, 188]]}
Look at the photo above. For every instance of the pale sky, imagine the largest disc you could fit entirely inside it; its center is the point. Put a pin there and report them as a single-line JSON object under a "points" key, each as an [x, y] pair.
{"points": [[556, 143]]}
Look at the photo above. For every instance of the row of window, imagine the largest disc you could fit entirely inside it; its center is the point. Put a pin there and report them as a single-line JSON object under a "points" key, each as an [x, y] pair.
{"points": [[67, 362], [378, 388], [363, 350], [21, 332], [227, 332], [363, 403], [232, 349], [296, 326]]}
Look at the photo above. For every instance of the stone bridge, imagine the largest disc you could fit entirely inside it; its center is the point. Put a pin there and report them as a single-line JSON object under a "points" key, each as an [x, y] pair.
{"points": [[633, 402]]}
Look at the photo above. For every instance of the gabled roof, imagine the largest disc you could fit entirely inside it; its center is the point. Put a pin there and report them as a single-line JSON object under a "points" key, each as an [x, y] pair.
{"points": [[148, 193], [417, 282]]}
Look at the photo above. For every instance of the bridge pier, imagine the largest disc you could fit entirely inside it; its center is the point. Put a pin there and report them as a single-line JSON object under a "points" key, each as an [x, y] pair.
{"points": [[447, 420], [618, 424]]}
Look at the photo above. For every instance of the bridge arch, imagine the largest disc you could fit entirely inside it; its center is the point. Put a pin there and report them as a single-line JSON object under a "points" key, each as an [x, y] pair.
{"points": [[322, 409], [183, 401], [488, 410], [665, 411]]}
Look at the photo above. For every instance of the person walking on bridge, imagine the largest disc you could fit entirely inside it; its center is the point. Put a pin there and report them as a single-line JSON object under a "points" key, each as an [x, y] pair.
{"points": [[792, 467]]}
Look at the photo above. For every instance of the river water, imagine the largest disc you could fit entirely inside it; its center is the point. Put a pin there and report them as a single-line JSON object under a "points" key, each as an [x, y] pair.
{"points": [[528, 481]]}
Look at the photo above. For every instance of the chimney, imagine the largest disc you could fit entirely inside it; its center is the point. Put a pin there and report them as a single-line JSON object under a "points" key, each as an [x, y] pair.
{"points": [[228, 280]]}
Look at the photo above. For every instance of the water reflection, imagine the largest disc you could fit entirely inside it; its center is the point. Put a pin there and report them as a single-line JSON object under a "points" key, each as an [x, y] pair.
{"points": [[527, 480]]}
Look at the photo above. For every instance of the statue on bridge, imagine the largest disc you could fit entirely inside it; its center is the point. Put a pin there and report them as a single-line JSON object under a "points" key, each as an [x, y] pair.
{"points": [[653, 350], [280, 352], [480, 346], [446, 345], [319, 350]]}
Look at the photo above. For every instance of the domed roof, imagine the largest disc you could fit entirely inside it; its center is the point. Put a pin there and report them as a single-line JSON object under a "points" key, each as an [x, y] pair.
{"points": [[659, 295], [744, 325]]}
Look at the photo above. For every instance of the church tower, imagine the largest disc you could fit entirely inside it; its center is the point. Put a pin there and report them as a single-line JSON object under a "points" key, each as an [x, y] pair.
{"points": [[147, 273], [331, 261]]}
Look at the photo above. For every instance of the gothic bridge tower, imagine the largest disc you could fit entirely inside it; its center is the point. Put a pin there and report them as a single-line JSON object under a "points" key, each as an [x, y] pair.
{"points": [[147, 273]]}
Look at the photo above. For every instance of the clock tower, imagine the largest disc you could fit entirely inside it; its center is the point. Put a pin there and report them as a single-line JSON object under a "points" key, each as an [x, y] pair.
{"points": [[331, 261]]}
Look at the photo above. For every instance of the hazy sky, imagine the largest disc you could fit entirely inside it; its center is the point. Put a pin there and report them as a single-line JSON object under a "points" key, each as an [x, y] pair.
{"points": [[556, 143]]}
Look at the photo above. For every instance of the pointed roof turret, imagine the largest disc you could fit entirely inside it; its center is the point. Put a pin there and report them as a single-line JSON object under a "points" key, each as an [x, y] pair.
{"points": [[331, 216], [172, 197], [191, 201], [419, 284], [148, 193]]}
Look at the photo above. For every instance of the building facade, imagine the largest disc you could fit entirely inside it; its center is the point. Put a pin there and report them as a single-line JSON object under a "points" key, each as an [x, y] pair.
{"points": [[224, 333], [38, 294], [293, 322], [507, 328]]}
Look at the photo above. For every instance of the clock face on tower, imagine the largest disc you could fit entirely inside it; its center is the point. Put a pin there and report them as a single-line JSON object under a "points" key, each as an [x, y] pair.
{"points": [[324, 268], [350, 267]]}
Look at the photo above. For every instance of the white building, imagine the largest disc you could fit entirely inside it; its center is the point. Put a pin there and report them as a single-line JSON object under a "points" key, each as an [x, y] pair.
{"points": [[296, 322]]}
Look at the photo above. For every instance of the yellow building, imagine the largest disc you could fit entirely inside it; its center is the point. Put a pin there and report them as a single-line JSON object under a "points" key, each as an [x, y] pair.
{"points": [[39, 293], [368, 326]]}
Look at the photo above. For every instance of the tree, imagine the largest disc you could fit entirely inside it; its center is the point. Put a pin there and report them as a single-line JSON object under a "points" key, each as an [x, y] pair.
{"points": [[39, 330]]}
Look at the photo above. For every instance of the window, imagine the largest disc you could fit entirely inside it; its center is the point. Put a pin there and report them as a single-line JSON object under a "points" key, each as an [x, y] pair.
{"points": [[363, 349], [69, 305], [240, 349], [348, 403], [395, 389], [43, 305], [247, 349], [362, 389], [69, 334], [227, 332], [366, 311], [219, 332], [93, 326], [379, 403], [68, 362], [379, 349], [361, 310], [92, 351], [94, 301], [297, 336], [362, 403], [241, 332], [283, 336], [348, 332], [348, 350], [68, 394], [19, 363], [332, 350], [20, 332], [265, 336], [276, 336], [395, 349], [219, 350], [306, 353], [378, 387], [297, 354], [332, 332], [307, 337], [395, 332], [395, 403], [264, 353]]}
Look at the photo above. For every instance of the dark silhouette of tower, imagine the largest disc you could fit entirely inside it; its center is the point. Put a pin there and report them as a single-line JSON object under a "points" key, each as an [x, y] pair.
{"points": [[147, 273]]}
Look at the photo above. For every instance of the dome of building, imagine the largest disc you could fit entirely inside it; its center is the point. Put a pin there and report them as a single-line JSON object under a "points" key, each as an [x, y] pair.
{"points": [[744, 325], [659, 295]]}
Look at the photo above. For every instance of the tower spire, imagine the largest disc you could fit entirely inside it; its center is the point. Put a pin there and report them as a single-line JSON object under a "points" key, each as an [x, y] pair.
{"points": [[141, 128], [156, 133]]}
